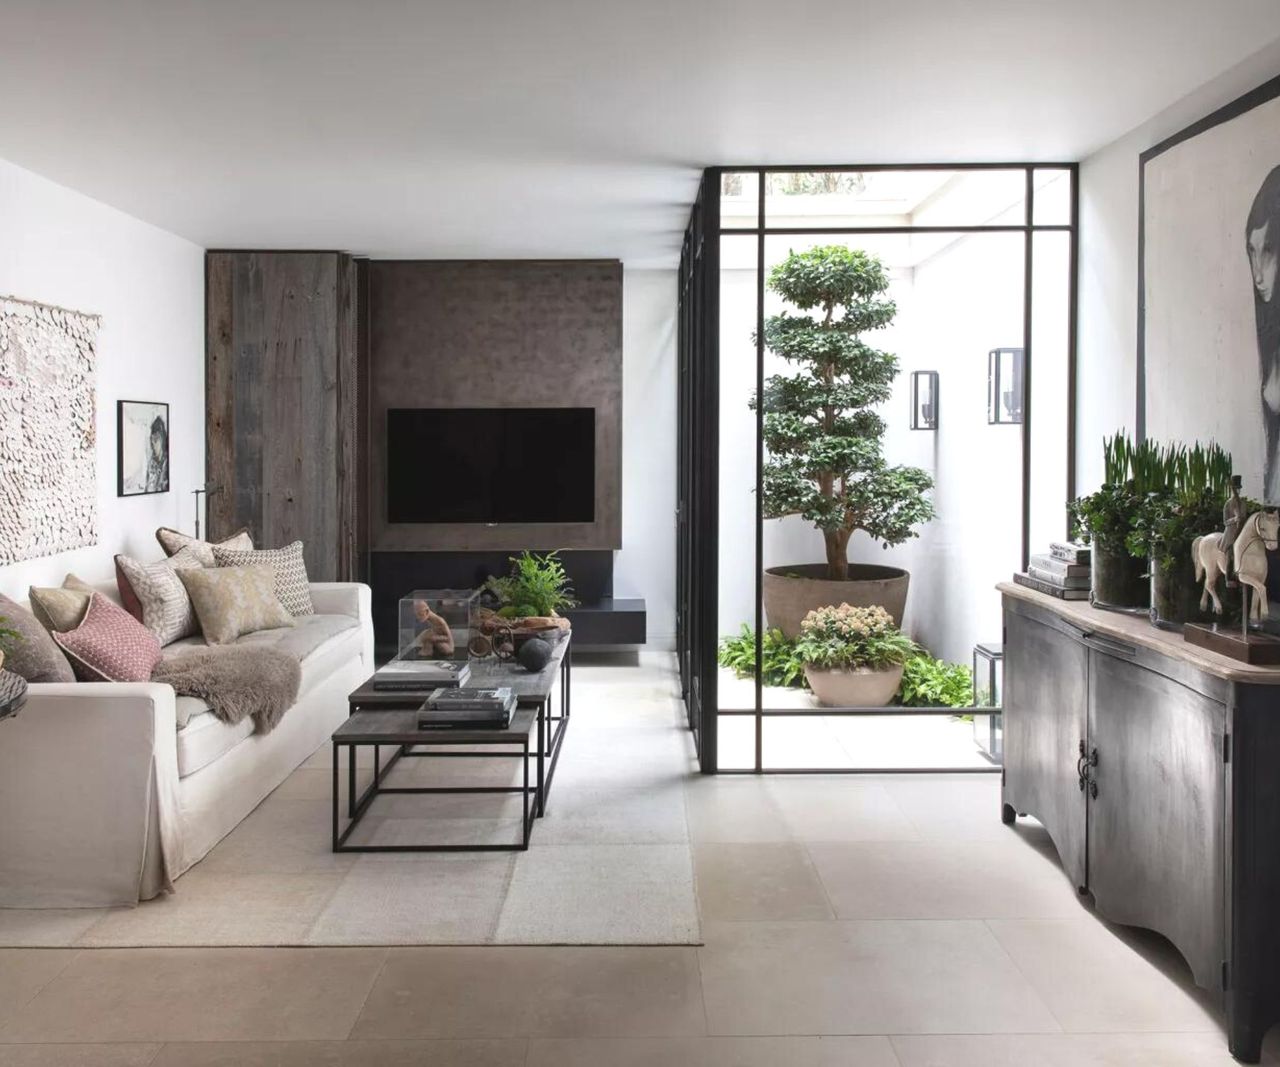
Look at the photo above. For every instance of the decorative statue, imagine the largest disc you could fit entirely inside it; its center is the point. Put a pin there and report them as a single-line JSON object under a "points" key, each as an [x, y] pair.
{"points": [[1257, 535], [435, 640], [1233, 516]]}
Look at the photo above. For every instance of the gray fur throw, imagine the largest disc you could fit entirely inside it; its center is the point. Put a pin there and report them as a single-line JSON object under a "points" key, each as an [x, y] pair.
{"points": [[236, 681]]}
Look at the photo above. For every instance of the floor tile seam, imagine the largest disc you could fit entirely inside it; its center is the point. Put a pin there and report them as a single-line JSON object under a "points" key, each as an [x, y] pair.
{"points": [[822, 883], [364, 1001], [1035, 989]]}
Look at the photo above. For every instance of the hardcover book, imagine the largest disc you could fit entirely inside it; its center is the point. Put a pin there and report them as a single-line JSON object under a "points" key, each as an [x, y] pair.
{"points": [[1049, 588], [1062, 581], [1058, 565], [1070, 551]]}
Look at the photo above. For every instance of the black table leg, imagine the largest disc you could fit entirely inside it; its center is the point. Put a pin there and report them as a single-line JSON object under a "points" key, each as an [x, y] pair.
{"points": [[335, 795], [542, 752], [351, 781]]}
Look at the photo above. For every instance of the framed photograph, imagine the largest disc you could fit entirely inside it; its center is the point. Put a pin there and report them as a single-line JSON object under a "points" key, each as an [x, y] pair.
{"points": [[1209, 287], [143, 436]]}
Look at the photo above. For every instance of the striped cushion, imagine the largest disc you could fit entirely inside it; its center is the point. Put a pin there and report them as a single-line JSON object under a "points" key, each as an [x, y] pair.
{"points": [[292, 585], [110, 645]]}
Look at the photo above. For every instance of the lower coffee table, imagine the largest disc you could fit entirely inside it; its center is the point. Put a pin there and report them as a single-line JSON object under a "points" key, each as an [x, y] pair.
{"points": [[535, 735]]}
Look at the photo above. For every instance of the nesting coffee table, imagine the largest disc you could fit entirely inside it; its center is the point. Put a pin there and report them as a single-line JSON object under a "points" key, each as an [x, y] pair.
{"points": [[535, 735]]}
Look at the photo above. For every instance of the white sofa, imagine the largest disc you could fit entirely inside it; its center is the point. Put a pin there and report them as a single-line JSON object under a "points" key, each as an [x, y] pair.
{"points": [[105, 801]]}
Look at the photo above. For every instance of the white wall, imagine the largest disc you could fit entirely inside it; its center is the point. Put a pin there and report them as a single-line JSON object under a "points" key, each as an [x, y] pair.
{"points": [[59, 247], [1108, 295], [646, 564]]}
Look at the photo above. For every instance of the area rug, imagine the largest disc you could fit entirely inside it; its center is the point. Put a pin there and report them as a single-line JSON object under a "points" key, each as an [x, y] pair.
{"points": [[609, 864]]}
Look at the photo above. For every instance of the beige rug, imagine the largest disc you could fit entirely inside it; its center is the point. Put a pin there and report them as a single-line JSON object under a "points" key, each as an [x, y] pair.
{"points": [[610, 863]]}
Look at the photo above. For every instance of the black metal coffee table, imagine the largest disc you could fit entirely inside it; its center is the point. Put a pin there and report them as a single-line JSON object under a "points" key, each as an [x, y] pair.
{"points": [[380, 718]]}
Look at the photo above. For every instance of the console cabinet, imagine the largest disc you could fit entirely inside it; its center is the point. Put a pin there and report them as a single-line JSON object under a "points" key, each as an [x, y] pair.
{"points": [[1155, 768]]}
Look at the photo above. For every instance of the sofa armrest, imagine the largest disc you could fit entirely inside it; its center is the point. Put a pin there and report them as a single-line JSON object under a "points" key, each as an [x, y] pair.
{"points": [[348, 598], [88, 795]]}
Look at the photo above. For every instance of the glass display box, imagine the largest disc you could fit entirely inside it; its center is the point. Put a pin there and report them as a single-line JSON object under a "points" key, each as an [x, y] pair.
{"points": [[924, 399], [988, 692], [1005, 368], [437, 623]]}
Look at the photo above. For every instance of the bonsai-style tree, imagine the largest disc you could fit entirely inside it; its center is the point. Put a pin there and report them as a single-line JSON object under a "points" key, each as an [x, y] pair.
{"points": [[825, 458]]}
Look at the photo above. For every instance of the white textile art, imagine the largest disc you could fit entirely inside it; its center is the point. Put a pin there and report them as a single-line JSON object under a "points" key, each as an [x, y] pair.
{"points": [[48, 465]]}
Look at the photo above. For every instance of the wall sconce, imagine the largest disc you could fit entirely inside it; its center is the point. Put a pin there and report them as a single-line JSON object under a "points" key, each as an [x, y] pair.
{"points": [[924, 399], [1004, 385]]}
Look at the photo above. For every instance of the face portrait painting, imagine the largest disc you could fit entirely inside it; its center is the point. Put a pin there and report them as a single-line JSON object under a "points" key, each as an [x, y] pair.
{"points": [[1262, 245]]}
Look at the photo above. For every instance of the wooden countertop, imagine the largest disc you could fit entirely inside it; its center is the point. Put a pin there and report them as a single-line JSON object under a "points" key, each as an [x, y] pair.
{"points": [[1137, 630]]}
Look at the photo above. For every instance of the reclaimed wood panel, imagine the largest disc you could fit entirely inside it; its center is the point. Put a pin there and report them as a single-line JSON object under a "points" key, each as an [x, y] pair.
{"points": [[281, 433]]}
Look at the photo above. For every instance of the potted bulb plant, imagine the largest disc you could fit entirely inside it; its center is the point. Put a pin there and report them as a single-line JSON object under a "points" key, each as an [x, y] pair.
{"points": [[823, 437], [1110, 516], [853, 656]]}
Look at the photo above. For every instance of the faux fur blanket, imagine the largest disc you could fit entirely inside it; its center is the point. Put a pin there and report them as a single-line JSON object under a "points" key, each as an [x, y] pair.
{"points": [[236, 681]]}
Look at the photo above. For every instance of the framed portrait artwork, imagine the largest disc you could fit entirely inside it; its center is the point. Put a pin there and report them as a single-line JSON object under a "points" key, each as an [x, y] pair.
{"points": [[143, 447], [1209, 287]]}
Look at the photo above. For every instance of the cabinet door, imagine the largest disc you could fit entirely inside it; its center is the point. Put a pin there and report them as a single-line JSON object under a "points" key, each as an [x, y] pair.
{"points": [[1156, 826], [1045, 694]]}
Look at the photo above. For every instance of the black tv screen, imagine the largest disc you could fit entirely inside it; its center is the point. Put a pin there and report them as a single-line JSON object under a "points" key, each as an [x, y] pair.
{"points": [[491, 465]]}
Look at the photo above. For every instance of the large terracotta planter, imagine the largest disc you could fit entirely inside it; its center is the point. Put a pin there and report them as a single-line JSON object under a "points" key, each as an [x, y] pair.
{"points": [[857, 687], [790, 593]]}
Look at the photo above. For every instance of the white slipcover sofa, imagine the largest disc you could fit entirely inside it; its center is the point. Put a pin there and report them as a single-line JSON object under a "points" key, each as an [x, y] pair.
{"points": [[109, 791]]}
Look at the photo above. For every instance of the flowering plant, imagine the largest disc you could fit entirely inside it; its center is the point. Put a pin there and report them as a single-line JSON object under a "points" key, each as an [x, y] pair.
{"points": [[853, 637]]}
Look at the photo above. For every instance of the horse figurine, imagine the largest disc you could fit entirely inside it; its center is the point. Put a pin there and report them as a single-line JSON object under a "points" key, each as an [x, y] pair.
{"points": [[1259, 534]]}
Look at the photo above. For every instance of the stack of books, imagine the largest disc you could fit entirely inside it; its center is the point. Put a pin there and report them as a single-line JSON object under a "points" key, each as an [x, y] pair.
{"points": [[421, 675], [1063, 571], [468, 707]]}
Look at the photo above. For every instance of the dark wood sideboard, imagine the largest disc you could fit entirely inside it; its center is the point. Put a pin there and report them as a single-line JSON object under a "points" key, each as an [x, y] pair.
{"points": [[1155, 768]]}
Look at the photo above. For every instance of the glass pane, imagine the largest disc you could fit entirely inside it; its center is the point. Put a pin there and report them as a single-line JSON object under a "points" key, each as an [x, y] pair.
{"points": [[956, 297], [739, 200], [1050, 304], [888, 198], [737, 553], [1053, 197]]}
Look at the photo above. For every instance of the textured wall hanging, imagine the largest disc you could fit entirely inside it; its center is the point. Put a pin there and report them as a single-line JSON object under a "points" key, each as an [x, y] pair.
{"points": [[48, 467]]}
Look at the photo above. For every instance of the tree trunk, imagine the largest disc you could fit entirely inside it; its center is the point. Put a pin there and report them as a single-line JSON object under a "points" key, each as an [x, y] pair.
{"points": [[837, 553]]}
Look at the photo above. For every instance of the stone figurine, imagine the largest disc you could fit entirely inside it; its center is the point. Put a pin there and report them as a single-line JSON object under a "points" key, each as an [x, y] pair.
{"points": [[435, 640]]}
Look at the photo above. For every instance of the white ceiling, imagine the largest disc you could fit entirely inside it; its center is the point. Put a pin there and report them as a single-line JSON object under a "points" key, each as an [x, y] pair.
{"points": [[560, 128]]}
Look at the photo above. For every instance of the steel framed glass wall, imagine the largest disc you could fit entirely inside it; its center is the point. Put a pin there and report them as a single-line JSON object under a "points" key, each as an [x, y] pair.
{"points": [[1017, 224]]}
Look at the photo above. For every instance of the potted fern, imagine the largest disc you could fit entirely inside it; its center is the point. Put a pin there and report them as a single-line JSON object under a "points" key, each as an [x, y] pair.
{"points": [[8, 638], [531, 596], [825, 458]]}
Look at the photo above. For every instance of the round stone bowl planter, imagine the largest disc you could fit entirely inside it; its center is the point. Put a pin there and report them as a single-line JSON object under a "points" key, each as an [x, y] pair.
{"points": [[790, 593], [854, 687]]}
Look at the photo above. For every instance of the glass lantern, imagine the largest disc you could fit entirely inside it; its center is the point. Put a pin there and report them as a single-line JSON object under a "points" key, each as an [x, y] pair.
{"points": [[924, 399], [1004, 385], [988, 692], [437, 624]]}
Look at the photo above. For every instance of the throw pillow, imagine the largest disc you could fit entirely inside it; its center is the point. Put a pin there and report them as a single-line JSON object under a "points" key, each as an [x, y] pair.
{"points": [[61, 609], [174, 541], [231, 601], [292, 585], [33, 653], [110, 645], [154, 596]]}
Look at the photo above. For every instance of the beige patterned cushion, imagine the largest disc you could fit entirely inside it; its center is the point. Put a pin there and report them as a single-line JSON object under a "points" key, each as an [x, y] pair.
{"points": [[292, 585], [60, 610], [174, 541], [156, 597], [231, 601]]}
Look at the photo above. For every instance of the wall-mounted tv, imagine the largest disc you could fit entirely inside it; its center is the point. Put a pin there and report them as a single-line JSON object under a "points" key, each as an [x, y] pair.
{"points": [[491, 465]]}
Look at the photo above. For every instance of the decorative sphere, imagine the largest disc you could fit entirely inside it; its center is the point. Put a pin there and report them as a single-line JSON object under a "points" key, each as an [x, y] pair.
{"points": [[534, 654]]}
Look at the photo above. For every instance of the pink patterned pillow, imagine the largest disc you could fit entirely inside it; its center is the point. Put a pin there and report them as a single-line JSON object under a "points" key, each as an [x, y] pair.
{"points": [[110, 645]]}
